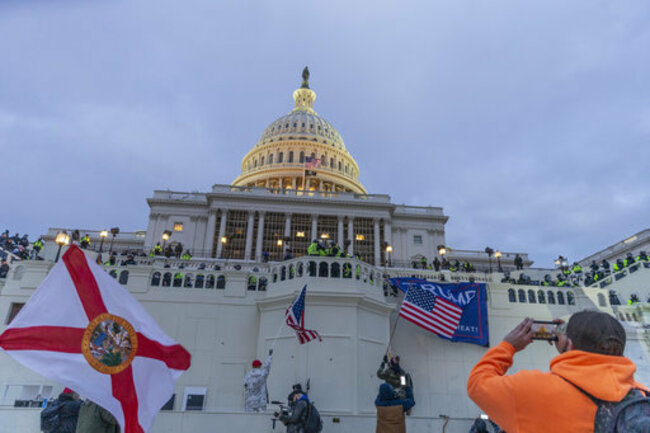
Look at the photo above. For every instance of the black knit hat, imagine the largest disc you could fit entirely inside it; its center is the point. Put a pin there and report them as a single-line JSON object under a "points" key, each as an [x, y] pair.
{"points": [[596, 332]]}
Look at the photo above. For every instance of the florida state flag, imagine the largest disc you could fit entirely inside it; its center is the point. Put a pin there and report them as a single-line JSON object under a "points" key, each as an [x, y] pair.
{"points": [[83, 330]]}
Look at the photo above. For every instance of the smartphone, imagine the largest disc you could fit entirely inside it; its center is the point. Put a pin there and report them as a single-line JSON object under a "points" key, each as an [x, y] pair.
{"points": [[544, 330]]}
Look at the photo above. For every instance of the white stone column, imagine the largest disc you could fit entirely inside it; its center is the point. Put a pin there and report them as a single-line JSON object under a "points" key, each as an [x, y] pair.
{"points": [[222, 232], [388, 236], [287, 225], [249, 235], [376, 239], [314, 227], [339, 238], [208, 241], [351, 235], [260, 237]]}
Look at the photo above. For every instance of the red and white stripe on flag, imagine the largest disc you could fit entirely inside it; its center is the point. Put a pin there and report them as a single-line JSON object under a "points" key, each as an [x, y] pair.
{"points": [[82, 329], [443, 319]]}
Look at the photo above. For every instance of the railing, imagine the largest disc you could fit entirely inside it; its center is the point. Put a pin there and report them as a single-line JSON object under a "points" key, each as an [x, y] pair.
{"points": [[611, 278], [326, 267], [221, 189]]}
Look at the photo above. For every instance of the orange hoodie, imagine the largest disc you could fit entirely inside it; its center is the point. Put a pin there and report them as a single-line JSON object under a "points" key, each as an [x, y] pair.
{"points": [[532, 401]]}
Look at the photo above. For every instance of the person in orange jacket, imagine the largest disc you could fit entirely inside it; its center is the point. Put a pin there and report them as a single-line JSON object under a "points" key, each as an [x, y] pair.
{"points": [[591, 357]]}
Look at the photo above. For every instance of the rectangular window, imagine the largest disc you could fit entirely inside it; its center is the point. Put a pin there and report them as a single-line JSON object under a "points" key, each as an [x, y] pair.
{"points": [[13, 311], [194, 398], [26, 395], [170, 403], [178, 227], [417, 239]]}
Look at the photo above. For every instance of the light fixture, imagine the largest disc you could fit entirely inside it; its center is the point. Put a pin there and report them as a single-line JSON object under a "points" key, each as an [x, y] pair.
{"points": [[359, 237], [166, 235], [62, 238], [497, 254], [442, 250], [114, 232], [325, 236], [279, 242], [224, 240], [300, 234], [102, 235], [389, 249]]}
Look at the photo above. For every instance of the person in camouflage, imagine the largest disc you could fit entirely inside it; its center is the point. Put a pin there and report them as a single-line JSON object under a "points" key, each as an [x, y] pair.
{"points": [[392, 373], [256, 395]]}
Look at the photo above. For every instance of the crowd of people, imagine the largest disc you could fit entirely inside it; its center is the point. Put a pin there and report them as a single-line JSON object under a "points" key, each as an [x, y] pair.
{"points": [[20, 246], [69, 414]]}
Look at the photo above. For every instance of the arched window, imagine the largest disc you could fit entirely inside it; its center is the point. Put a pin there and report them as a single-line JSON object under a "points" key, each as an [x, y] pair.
{"points": [[570, 298], [323, 269], [178, 279], [512, 297], [155, 279], [262, 284], [312, 269], [113, 273], [335, 272], [221, 282], [291, 156], [358, 272], [167, 279], [560, 298], [340, 166], [347, 270], [252, 283], [292, 272], [371, 278], [271, 159], [255, 163], [280, 157], [551, 297], [124, 277], [531, 297], [283, 273], [209, 282], [300, 267], [200, 280], [332, 162], [302, 157], [261, 161], [601, 300], [540, 297], [522, 295], [188, 280], [275, 277], [613, 298]]}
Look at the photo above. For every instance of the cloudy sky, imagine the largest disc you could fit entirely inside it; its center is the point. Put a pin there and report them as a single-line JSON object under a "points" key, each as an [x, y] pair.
{"points": [[528, 121]]}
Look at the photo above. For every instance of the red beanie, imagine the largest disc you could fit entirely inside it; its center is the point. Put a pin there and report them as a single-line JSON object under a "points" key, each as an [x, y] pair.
{"points": [[68, 391], [257, 363]]}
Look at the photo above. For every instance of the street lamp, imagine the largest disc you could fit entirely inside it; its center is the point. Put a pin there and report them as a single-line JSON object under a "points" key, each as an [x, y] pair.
{"points": [[114, 232], [279, 242], [165, 237], [389, 250], [489, 251], [498, 255], [442, 250], [224, 241], [62, 238], [102, 235]]}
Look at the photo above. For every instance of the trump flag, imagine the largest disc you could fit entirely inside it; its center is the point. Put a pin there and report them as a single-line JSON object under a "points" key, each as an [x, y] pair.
{"points": [[85, 331], [456, 312]]}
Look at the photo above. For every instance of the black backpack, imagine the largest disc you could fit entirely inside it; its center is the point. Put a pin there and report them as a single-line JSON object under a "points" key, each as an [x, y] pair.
{"points": [[630, 415], [50, 417], [313, 421]]}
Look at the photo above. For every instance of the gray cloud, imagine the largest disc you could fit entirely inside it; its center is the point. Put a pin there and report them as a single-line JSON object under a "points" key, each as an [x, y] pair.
{"points": [[528, 122]]}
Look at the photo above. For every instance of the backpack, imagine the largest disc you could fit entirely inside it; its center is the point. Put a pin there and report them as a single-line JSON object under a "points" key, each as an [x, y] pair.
{"points": [[313, 421], [630, 415], [50, 417]]}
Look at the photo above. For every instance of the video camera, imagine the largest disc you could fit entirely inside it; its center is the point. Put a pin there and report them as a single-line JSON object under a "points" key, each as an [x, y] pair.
{"points": [[276, 415]]}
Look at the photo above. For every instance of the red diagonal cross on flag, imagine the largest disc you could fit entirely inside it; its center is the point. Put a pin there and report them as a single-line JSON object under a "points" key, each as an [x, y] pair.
{"points": [[82, 329]]}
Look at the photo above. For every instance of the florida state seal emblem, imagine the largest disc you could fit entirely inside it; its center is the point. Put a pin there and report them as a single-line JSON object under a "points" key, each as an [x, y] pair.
{"points": [[109, 343]]}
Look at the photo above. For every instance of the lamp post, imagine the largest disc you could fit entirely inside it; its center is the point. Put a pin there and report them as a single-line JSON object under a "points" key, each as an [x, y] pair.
{"points": [[114, 232], [489, 251], [389, 250], [62, 238], [165, 237], [102, 235], [498, 255], [224, 241]]}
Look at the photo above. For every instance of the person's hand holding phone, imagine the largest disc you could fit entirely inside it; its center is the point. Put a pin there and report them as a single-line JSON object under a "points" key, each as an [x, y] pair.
{"points": [[521, 336]]}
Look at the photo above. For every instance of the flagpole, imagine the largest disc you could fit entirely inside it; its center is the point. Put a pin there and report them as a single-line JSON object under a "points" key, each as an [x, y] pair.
{"points": [[277, 334], [392, 332]]}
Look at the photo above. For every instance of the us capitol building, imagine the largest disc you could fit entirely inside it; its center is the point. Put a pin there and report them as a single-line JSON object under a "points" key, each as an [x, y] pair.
{"points": [[299, 183]]}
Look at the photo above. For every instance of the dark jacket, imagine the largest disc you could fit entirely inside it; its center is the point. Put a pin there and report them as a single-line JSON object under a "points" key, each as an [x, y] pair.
{"points": [[295, 421], [68, 413]]}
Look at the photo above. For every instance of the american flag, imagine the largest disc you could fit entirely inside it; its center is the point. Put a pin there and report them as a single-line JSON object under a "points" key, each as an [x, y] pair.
{"points": [[295, 317], [431, 312], [312, 162]]}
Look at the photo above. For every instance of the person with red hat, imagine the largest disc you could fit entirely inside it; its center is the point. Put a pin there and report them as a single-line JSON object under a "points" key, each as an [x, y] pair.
{"points": [[61, 414], [256, 395]]}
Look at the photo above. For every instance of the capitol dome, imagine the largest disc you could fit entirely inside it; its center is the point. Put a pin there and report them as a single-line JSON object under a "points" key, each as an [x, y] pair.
{"points": [[300, 143]]}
